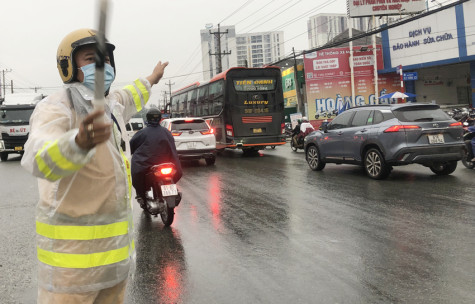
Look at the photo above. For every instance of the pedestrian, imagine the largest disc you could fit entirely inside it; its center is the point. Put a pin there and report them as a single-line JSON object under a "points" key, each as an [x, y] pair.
{"points": [[83, 219]]}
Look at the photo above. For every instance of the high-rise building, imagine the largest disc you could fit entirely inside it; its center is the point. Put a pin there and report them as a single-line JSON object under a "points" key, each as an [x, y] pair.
{"points": [[324, 27], [258, 49], [250, 49]]}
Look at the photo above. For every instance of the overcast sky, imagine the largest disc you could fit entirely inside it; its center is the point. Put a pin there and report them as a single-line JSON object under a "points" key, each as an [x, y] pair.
{"points": [[143, 31]]}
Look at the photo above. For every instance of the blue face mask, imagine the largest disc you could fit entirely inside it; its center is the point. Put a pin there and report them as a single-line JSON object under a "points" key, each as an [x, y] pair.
{"points": [[89, 72]]}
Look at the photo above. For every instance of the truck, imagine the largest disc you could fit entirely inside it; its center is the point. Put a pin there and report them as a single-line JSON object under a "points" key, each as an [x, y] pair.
{"points": [[15, 112]]}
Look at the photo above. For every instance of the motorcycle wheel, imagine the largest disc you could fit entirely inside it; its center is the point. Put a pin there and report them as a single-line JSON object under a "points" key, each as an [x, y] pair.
{"points": [[444, 168], [168, 214], [468, 164]]}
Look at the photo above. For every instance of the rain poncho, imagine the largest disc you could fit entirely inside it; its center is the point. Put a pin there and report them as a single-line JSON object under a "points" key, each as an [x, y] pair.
{"points": [[84, 219]]}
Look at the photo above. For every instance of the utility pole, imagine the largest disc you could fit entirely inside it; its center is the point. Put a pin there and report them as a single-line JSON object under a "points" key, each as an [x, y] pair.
{"points": [[4, 80], [219, 65], [300, 106], [165, 100], [169, 84]]}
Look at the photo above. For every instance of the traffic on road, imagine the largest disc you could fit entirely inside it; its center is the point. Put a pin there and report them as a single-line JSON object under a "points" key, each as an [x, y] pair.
{"points": [[266, 228]]}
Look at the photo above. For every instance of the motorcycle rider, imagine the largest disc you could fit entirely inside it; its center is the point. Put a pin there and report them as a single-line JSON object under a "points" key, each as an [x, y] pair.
{"points": [[151, 146], [85, 243], [296, 132], [305, 129]]}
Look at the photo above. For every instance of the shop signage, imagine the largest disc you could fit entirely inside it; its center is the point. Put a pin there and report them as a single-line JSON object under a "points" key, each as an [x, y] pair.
{"points": [[431, 38], [409, 76], [328, 79], [361, 8]]}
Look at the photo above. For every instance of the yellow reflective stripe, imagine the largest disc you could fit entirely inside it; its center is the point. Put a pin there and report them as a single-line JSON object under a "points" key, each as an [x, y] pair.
{"points": [[60, 160], [60, 232], [127, 169], [135, 95], [72, 260], [142, 89], [43, 167]]}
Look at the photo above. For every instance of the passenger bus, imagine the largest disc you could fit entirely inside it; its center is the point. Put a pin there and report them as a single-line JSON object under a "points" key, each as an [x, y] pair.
{"points": [[244, 106]]}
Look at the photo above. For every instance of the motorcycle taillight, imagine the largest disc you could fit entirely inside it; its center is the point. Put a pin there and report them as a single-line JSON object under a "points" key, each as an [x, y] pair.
{"points": [[164, 170]]}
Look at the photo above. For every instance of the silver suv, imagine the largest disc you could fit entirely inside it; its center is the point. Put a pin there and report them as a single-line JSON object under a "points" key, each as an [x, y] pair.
{"points": [[382, 136], [194, 138]]}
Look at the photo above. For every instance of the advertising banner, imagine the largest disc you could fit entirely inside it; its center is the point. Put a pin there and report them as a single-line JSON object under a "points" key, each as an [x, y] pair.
{"points": [[288, 85], [362, 8], [431, 38], [328, 79]]}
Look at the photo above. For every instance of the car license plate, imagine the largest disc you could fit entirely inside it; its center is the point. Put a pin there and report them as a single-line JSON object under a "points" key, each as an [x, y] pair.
{"points": [[169, 190], [191, 145], [18, 148], [436, 139], [257, 130]]}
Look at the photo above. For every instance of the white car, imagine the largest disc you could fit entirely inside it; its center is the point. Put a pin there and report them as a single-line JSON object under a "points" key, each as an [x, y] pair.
{"points": [[194, 138]]}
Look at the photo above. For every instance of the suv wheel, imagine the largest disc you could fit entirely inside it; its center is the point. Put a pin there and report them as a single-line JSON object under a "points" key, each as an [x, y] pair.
{"points": [[444, 168], [375, 165], [313, 159]]}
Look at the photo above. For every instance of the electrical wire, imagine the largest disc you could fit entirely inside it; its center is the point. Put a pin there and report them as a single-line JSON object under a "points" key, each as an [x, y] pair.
{"points": [[241, 7]]}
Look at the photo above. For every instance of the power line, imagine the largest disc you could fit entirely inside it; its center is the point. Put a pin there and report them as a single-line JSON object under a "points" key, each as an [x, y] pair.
{"points": [[241, 7]]}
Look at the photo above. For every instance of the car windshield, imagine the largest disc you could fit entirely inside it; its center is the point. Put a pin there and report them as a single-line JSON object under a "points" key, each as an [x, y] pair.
{"points": [[418, 114], [184, 125]]}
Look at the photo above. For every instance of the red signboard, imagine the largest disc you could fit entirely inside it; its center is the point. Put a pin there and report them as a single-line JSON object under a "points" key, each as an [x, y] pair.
{"points": [[328, 79]]}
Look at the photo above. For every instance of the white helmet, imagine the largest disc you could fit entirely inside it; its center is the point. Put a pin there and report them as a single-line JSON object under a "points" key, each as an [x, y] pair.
{"points": [[304, 119]]}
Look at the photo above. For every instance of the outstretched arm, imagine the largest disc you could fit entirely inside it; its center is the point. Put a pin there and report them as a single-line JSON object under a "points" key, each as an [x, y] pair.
{"points": [[157, 73]]}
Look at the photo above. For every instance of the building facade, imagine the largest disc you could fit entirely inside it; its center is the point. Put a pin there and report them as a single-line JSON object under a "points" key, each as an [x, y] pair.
{"points": [[322, 28], [437, 56], [245, 50], [258, 49]]}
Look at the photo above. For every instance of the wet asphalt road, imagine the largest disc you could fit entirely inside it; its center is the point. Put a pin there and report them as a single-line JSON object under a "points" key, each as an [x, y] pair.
{"points": [[267, 229]]}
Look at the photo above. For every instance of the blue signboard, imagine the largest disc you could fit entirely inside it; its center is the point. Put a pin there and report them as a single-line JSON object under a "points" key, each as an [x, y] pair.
{"points": [[409, 76]]}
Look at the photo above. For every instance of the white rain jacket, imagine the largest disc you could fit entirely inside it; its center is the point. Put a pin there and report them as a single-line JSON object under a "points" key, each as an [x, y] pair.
{"points": [[83, 218]]}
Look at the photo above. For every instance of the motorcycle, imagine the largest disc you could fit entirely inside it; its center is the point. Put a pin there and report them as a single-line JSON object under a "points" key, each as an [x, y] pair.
{"points": [[162, 195]]}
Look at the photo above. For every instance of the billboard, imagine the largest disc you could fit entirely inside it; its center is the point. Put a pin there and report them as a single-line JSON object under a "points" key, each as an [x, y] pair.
{"points": [[289, 87], [363, 8], [431, 38], [328, 79]]}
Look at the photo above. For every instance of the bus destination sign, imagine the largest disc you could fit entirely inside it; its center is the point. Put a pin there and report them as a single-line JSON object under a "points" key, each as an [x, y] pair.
{"points": [[254, 85]]}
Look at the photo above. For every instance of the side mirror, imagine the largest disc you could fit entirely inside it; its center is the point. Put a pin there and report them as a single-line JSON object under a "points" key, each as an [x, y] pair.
{"points": [[325, 127]]}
